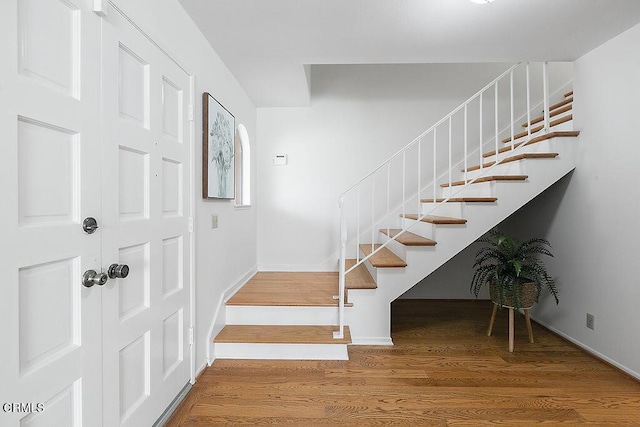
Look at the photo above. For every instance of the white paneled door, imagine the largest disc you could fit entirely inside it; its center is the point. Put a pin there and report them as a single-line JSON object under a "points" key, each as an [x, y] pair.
{"points": [[50, 360], [94, 121], [146, 219]]}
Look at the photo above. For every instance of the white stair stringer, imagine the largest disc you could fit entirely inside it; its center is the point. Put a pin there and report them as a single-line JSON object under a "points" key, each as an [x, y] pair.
{"points": [[370, 317]]}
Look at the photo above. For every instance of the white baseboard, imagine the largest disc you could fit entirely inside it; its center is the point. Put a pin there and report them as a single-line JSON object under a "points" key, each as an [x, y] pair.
{"points": [[219, 313], [200, 370], [588, 349]]}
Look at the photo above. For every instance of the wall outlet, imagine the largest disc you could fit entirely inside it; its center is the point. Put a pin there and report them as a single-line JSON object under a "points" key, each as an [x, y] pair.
{"points": [[214, 220], [590, 321]]}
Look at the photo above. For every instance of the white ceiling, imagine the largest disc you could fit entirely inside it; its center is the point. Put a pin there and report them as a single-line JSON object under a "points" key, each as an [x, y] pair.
{"points": [[270, 45]]}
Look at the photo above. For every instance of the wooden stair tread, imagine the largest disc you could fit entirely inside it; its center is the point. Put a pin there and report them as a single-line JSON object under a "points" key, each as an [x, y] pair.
{"points": [[539, 138], [539, 128], [522, 156], [407, 238], [463, 200], [568, 94], [281, 334], [385, 258], [553, 113], [358, 278], [288, 289], [561, 103], [488, 179], [434, 219]]}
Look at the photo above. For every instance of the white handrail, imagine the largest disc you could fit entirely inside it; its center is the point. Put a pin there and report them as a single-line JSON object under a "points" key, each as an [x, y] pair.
{"points": [[448, 164]]}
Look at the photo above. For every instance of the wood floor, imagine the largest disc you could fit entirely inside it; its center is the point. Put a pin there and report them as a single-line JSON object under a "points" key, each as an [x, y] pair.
{"points": [[286, 289], [442, 371]]}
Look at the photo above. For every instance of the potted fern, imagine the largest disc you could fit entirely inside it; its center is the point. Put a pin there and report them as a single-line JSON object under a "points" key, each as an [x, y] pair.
{"points": [[512, 270]]}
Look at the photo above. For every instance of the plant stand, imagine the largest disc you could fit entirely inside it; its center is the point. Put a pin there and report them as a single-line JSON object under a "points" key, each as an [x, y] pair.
{"points": [[511, 322]]}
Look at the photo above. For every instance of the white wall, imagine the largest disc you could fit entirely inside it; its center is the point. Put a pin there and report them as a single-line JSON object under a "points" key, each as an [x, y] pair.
{"points": [[591, 217], [359, 116], [224, 255]]}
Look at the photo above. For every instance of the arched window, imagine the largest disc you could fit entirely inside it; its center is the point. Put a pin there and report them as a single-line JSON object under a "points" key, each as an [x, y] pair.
{"points": [[243, 167]]}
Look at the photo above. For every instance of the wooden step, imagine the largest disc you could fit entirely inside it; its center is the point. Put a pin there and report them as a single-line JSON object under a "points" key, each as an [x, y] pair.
{"points": [[278, 334], [488, 179], [515, 158], [384, 258], [562, 133], [554, 113], [561, 103], [358, 278], [288, 289], [568, 94], [462, 200], [539, 128], [438, 220], [407, 238]]}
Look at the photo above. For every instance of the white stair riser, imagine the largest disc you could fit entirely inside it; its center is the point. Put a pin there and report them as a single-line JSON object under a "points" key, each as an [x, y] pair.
{"points": [[452, 209], [481, 189], [281, 351], [511, 168], [371, 269], [425, 229], [281, 315]]}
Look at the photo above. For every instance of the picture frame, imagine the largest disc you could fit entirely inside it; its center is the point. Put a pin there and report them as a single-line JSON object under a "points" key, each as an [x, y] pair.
{"points": [[218, 150]]}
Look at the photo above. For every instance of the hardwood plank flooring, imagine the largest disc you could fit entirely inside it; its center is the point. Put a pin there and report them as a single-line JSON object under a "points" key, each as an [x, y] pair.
{"points": [[281, 334], [442, 371], [384, 258], [462, 200], [407, 238], [435, 219], [288, 289], [358, 278], [488, 179]]}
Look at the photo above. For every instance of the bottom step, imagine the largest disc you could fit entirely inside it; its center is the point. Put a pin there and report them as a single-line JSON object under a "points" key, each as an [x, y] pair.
{"points": [[284, 342]]}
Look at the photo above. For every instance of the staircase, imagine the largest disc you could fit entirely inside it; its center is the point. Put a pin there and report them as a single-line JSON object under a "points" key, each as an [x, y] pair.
{"points": [[293, 315]]}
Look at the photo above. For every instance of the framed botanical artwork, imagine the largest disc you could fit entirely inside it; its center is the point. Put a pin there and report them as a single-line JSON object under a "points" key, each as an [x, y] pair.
{"points": [[218, 147]]}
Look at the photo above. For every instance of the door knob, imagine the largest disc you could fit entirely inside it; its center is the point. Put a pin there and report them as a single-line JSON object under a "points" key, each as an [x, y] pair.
{"points": [[89, 225], [118, 271], [91, 277]]}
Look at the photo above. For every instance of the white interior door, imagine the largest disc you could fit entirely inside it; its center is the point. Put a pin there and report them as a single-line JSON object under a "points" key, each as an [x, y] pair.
{"points": [[146, 218], [50, 362]]}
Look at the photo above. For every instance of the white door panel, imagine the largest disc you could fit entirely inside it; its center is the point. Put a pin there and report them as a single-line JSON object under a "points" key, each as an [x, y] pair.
{"points": [[116, 354], [145, 211], [50, 182]]}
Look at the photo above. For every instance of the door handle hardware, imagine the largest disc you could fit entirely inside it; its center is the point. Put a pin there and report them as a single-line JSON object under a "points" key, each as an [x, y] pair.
{"points": [[118, 271], [91, 277], [89, 225]]}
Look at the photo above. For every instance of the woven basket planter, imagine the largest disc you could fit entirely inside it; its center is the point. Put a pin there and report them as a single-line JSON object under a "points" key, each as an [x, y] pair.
{"points": [[527, 296]]}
